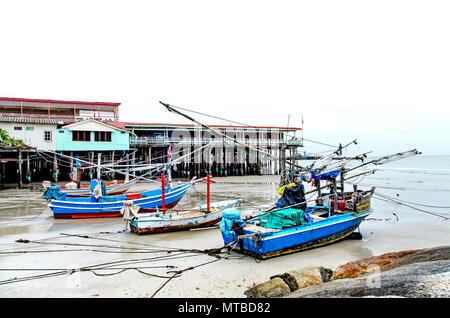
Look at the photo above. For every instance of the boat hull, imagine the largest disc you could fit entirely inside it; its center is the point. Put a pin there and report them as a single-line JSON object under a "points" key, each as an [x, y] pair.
{"points": [[300, 238], [163, 228], [82, 208], [153, 224]]}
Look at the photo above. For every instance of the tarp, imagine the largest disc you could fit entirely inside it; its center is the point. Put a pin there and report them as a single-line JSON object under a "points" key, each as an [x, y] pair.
{"points": [[284, 219], [55, 193], [281, 189], [293, 196], [230, 216], [331, 174], [97, 189]]}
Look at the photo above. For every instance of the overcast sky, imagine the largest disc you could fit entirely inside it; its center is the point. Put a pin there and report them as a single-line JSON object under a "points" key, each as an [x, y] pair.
{"points": [[378, 71]]}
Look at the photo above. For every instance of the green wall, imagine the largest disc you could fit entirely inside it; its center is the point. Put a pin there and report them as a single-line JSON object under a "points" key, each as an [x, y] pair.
{"points": [[120, 140]]}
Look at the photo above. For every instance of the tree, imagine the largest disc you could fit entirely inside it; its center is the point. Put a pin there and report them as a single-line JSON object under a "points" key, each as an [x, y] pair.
{"points": [[7, 140]]}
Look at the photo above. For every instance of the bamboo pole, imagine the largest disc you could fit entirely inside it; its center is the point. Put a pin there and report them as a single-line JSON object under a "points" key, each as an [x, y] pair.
{"points": [[170, 108]]}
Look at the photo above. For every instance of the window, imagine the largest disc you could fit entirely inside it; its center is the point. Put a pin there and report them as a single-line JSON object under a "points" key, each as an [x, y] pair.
{"points": [[102, 136], [47, 136], [81, 135], [17, 128], [30, 128]]}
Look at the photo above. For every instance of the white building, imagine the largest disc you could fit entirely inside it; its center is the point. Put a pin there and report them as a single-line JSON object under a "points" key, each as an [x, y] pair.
{"points": [[39, 133]]}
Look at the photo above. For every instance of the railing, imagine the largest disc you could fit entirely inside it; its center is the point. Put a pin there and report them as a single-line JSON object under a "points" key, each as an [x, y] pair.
{"points": [[52, 116], [166, 141]]}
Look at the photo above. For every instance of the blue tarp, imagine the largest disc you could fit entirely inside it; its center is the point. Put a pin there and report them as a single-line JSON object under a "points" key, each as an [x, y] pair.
{"points": [[331, 174], [93, 184], [230, 216], [54, 193]]}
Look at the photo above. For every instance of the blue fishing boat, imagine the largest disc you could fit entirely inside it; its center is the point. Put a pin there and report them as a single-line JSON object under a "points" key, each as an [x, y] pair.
{"points": [[288, 230], [110, 206]]}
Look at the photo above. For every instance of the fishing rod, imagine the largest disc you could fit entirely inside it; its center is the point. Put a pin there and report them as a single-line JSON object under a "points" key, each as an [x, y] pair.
{"points": [[388, 158], [171, 109]]}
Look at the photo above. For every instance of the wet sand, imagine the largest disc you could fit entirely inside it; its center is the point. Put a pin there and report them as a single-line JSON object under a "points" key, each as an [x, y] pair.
{"points": [[24, 216]]}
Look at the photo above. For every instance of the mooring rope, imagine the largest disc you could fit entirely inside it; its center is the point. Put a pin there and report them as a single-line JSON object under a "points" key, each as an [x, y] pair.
{"points": [[410, 206]]}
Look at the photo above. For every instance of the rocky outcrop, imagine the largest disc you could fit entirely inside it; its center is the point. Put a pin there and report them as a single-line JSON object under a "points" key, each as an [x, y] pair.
{"points": [[389, 261], [283, 284], [367, 265], [412, 273], [421, 280]]}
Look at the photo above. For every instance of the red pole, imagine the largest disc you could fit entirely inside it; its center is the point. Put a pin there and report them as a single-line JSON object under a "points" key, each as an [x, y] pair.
{"points": [[207, 193], [163, 199]]}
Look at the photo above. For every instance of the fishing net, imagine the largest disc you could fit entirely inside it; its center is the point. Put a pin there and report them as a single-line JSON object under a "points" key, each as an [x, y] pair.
{"points": [[284, 219]]}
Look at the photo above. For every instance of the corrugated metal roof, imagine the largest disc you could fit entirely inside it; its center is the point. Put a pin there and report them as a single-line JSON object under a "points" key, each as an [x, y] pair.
{"points": [[56, 101], [30, 120]]}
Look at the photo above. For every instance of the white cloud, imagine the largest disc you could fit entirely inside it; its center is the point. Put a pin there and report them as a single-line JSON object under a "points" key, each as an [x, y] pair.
{"points": [[377, 71]]}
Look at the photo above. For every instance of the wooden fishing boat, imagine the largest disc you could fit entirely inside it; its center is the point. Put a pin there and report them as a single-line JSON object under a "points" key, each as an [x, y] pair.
{"points": [[320, 225], [151, 223], [110, 206], [111, 189]]}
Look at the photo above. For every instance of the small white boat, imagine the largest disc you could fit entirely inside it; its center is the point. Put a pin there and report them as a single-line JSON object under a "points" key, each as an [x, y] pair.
{"points": [[179, 220]]}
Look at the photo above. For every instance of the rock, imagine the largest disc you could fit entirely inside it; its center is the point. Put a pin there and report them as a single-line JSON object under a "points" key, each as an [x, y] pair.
{"points": [[389, 261], [424, 255], [306, 276], [275, 287], [421, 279], [412, 273]]}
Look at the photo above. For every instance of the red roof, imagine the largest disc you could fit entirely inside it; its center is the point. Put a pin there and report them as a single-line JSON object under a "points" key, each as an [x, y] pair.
{"points": [[13, 99], [117, 124]]}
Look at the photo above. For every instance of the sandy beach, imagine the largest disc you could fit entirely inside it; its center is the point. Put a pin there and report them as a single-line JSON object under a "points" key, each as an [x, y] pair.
{"points": [[34, 243]]}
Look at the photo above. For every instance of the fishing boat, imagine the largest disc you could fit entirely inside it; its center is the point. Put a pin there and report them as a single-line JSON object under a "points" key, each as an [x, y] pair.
{"points": [[288, 230], [110, 206], [300, 226], [199, 217]]}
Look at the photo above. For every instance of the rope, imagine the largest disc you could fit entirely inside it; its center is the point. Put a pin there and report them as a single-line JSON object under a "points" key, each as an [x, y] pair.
{"points": [[412, 207], [172, 253], [419, 204], [178, 274]]}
